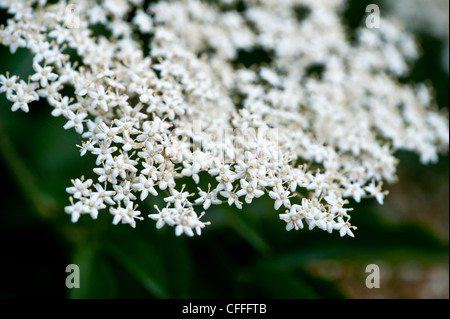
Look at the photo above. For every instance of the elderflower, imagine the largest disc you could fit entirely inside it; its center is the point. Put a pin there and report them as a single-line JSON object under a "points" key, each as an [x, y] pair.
{"points": [[164, 95]]}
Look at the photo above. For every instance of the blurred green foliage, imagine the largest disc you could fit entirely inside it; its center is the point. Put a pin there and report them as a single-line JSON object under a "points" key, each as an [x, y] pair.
{"points": [[243, 254]]}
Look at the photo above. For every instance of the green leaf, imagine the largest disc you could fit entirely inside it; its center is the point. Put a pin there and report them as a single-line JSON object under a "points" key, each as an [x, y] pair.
{"points": [[277, 281], [141, 260], [97, 279]]}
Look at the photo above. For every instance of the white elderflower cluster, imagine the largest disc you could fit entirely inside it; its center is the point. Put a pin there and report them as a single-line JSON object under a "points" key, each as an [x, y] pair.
{"points": [[164, 94]]}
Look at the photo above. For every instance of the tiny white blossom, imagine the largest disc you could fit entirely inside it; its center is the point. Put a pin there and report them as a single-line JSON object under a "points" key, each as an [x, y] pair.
{"points": [[178, 198], [226, 178], [80, 188], [104, 194], [7, 84], [126, 215], [250, 190], [281, 196], [376, 192], [293, 218], [62, 106], [316, 218], [75, 120], [145, 186], [93, 205], [75, 210], [124, 192], [232, 198], [164, 216], [143, 21], [100, 98], [344, 227], [208, 198], [21, 99]]}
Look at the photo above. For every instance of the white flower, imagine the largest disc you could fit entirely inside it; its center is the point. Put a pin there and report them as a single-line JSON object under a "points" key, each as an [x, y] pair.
{"points": [[356, 191], [107, 132], [192, 170], [15, 41], [86, 146], [226, 178], [344, 227], [42, 51], [329, 223], [164, 216], [150, 170], [317, 183], [104, 194], [7, 84], [150, 131], [178, 198], [104, 151], [107, 173], [376, 191], [167, 180], [123, 192], [75, 121], [51, 91], [93, 204], [117, 7], [281, 196], [316, 218], [187, 220], [21, 99], [97, 15], [123, 164], [152, 152], [100, 98], [75, 210], [143, 21], [61, 107], [232, 198], [199, 225], [208, 198], [126, 215], [293, 218], [145, 186], [336, 205], [185, 225], [80, 187]]}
